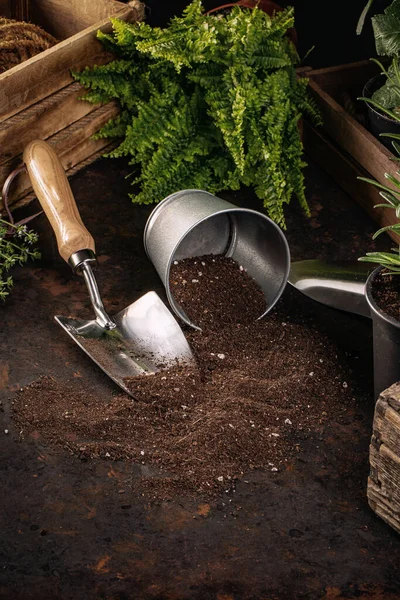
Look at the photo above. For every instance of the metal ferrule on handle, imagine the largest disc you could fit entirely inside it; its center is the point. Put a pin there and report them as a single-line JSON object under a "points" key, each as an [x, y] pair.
{"points": [[101, 316], [77, 259]]}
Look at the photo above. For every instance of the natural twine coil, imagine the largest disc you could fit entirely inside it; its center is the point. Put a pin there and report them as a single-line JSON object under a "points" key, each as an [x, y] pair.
{"points": [[20, 41]]}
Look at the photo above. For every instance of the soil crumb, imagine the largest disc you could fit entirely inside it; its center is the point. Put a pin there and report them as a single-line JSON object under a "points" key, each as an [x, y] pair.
{"points": [[215, 291], [262, 390], [386, 293]]}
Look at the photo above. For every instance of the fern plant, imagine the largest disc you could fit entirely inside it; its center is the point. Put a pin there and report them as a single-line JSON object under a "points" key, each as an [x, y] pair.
{"points": [[210, 102]]}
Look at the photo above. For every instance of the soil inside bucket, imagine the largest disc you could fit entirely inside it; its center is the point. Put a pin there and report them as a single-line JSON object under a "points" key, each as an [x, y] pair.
{"points": [[215, 291], [262, 389], [386, 293]]}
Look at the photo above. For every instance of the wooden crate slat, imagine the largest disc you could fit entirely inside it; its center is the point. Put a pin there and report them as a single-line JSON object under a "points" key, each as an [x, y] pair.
{"points": [[62, 20], [353, 137], [49, 71], [39, 99], [349, 76], [345, 170], [383, 488], [42, 120], [73, 144], [343, 146]]}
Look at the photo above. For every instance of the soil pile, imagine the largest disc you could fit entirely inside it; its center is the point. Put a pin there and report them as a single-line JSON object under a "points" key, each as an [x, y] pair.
{"points": [[262, 388]]}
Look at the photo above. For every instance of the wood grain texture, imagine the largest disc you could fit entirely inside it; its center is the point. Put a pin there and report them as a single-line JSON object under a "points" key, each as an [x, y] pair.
{"points": [[42, 120], [65, 19], [54, 193], [20, 9], [353, 137], [49, 71], [334, 80], [384, 481], [344, 170], [343, 146], [72, 144]]}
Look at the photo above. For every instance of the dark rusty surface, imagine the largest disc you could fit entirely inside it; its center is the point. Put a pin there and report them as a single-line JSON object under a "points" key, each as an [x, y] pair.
{"points": [[78, 530]]}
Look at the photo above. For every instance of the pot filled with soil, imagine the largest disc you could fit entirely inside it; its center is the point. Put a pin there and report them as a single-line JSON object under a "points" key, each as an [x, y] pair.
{"points": [[195, 223], [383, 296], [376, 295], [379, 122]]}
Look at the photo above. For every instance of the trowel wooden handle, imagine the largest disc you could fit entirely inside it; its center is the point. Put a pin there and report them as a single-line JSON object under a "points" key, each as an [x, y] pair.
{"points": [[54, 193]]}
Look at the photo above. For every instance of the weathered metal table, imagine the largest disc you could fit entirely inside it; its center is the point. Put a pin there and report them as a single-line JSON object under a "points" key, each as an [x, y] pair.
{"points": [[67, 532]]}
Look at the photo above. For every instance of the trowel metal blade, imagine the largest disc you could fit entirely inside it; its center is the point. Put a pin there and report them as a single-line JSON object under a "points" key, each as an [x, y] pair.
{"points": [[338, 284], [147, 339]]}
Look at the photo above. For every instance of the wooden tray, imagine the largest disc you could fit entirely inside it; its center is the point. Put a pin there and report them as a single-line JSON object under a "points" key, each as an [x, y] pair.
{"points": [[342, 146]]}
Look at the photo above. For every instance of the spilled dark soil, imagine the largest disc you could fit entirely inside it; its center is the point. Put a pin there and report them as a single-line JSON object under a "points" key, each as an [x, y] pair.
{"points": [[261, 389]]}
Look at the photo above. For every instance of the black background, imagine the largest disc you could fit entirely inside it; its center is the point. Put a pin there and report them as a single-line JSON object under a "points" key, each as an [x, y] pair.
{"points": [[328, 25]]}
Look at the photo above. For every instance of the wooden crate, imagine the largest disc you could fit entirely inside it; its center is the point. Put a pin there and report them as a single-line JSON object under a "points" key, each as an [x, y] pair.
{"points": [[342, 146], [38, 98], [384, 480], [75, 24]]}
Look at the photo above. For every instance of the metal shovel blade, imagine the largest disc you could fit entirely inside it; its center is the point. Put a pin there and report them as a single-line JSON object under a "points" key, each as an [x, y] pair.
{"points": [[338, 284], [147, 339]]}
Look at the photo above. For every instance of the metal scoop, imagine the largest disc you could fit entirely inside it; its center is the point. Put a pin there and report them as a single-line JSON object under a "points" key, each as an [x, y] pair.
{"points": [[338, 284], [141, 339]]}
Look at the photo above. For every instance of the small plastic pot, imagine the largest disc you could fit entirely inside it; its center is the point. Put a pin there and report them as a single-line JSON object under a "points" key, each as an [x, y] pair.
{"points": [[378, 122], [386, 337]]}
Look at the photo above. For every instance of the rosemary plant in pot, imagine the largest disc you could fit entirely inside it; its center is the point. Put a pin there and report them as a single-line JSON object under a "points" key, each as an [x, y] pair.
{"points": [[211, 102], [382, 289]]}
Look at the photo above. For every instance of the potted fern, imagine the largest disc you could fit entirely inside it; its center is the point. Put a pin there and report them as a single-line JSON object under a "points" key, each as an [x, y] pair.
{"points": [[210, 102]]}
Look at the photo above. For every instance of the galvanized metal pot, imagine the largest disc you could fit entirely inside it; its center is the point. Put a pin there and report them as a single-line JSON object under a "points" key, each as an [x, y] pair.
{"points": [[386, 336], [193, 223]]}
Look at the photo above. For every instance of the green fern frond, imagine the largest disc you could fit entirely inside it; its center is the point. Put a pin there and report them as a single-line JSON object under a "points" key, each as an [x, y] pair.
{"points": [[209, 102]]}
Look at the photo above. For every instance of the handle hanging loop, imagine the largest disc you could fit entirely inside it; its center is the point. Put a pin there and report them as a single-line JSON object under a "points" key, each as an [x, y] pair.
{"points": [[5, 195]]}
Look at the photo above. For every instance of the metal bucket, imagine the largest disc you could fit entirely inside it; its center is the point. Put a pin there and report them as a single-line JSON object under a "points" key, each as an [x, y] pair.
{"points": [[193, 223]]}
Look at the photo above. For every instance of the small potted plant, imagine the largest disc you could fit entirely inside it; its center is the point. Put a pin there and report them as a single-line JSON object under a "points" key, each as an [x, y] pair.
{"points": [[381, 93], [383, 287], [212, 102]]}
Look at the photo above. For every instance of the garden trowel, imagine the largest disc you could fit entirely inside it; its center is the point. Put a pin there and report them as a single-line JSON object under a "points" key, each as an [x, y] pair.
{"points": [[339, 284], [141, 339]]}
